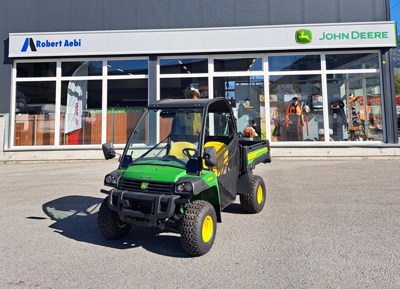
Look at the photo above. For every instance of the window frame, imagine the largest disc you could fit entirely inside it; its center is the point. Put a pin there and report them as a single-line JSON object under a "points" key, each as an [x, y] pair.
{"points": [[211, 74], [104, 77]]}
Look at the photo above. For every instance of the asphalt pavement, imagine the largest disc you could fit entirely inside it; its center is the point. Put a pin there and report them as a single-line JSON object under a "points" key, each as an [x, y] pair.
{"points": [[326, 224]]}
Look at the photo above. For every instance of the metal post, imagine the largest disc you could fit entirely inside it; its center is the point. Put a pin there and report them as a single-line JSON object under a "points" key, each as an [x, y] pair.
{"points": [[34, 129]]}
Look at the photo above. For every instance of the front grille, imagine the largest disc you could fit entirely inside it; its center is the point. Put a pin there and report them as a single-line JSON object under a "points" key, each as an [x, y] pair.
{"points": [[152, 187]]}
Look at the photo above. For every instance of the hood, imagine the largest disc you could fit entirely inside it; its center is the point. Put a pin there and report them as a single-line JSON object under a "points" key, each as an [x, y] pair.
{"points": [[154, 172]]}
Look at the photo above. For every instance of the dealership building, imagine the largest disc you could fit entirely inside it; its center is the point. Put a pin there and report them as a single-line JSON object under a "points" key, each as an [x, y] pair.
{"points": [[75, 74]]}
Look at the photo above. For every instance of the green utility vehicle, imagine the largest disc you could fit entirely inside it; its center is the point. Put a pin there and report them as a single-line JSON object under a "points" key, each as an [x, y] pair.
{"points": [[183, 164]]}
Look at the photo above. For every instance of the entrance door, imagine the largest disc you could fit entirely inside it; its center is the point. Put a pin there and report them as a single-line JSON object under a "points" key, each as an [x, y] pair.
{"points": [[220, 133]]}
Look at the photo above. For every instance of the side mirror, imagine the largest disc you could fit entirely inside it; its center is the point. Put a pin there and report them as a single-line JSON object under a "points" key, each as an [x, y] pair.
{"points": [[108, 150], [210, 156]]}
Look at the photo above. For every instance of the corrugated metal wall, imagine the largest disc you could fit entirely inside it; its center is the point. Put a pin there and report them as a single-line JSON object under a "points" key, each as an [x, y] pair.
{"points": [[80, 15]]}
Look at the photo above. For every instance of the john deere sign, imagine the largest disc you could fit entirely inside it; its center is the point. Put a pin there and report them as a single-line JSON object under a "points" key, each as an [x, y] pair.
{"points": [[354, 35], [365, 35]]}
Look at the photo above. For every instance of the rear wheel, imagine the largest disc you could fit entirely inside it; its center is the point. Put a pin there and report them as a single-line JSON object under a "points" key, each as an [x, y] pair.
{"points": [[254, 201], [198, 228], [109, 223]]}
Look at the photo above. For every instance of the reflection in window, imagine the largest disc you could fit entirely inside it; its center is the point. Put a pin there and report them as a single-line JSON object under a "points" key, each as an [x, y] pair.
{"points": [[34, 113], [246, 95], [238, 64], [127, 67], [296, 108], [355, 112], [352, 61], [81, 112], [186, 66], [126, 101], [294, 62], [179, 88], [36, 69], [82, 68]]}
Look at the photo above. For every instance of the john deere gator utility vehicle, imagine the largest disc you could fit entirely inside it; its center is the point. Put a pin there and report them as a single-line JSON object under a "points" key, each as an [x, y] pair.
{"points": [[183, 164]]}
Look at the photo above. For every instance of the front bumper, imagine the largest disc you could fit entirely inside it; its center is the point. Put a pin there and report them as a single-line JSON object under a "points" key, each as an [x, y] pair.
{"points": [[135, 207]]}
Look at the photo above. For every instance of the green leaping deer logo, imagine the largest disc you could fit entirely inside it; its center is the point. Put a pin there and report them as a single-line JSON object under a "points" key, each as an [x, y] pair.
{"points": [[303, 36]]}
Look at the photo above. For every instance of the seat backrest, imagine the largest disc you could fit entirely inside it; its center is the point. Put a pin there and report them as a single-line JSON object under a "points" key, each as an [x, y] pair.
{"points": [[176, 148], [222, 156]]}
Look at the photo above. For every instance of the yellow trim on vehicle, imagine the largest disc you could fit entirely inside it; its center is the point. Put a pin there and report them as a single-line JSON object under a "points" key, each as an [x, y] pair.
{"points": [[251, 156]]}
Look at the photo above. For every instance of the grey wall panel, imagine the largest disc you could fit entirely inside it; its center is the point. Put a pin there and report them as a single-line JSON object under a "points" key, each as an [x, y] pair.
{"points": [[249, 13], [286, 12], [216, 13], [4, 68], [379, 8], [121, 14], [185, 14], [87, 15], [314, 12], [22, 16], [54, 17], [152, 14], [357, 10]]}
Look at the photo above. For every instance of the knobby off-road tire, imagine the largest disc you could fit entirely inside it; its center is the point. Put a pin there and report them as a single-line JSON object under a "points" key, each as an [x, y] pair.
{"points": [[110, 225], [254, 201], [198, 228]]}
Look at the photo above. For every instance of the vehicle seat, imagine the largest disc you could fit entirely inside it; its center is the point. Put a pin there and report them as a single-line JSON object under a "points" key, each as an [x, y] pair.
{"points": [[176, 147], [222, 157]]}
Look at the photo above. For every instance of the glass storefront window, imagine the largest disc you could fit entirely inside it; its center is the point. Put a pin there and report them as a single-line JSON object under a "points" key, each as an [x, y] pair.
{"points": [[82, 68], [179, 88], [246, 94], [355, 107], [352, 61], [127, 67], [353, 99], [34, 113], [177, 66], [36, 69], [296, 108], [81, 112], [238, 64], [294, 62], [126, 100]]}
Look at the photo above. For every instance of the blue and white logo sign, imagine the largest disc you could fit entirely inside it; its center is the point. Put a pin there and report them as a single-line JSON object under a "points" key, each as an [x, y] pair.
{"points": [[28, 43], [34, 45]]}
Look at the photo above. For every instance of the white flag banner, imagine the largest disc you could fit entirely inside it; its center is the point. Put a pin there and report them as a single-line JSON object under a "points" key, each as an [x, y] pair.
{"points": [[76, 100]]}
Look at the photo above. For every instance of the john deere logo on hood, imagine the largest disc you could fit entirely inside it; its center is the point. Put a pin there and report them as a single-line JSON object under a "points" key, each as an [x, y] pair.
{"points": [[303, 36], [144, 186]]}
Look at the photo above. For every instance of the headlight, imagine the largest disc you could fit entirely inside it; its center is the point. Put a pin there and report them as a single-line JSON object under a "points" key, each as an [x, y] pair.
{"points": [[184, 187], [112, 178]]}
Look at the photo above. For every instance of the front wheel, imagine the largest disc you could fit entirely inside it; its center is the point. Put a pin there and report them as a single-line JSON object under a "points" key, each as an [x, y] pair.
{"points": [[198, 228], [109, 223], [254, 201]]}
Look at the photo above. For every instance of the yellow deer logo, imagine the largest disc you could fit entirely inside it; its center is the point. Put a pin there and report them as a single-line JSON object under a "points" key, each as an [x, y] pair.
{"points": [[303, 36]]}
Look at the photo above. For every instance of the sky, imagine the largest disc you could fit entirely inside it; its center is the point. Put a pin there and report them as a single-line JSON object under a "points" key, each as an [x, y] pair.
{"points": [[395, 11]]}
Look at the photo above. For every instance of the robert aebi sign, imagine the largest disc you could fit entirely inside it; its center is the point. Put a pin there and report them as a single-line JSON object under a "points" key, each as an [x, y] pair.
{"points": [[35, 44]]}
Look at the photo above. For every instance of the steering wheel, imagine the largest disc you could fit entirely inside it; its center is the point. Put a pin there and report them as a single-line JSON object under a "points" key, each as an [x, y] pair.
{"points": [[187, 152]]}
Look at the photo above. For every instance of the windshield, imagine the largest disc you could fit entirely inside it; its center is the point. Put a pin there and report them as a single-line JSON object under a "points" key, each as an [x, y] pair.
{"points": [[164, 137]]}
